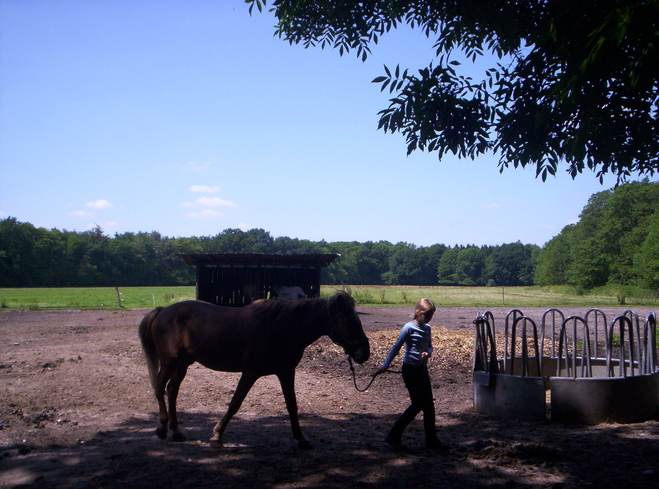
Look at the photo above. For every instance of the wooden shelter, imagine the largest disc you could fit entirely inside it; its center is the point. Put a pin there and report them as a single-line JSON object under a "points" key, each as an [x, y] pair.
{"points": [[236, 279]]}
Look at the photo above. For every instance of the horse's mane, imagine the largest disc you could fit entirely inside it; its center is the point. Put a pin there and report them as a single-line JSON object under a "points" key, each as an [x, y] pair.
{"points": [[279, 309]]}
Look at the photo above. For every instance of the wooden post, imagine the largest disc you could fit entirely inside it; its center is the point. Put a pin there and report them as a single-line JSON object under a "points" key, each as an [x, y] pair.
{"points": [[118, 296]]}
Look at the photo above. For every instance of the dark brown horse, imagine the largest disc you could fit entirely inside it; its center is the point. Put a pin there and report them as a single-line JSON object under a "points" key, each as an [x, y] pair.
{"points": [[262, 338]]}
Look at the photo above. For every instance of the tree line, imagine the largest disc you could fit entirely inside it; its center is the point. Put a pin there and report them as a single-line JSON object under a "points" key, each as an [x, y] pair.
{"points": [[615, 241], [37, 257]]}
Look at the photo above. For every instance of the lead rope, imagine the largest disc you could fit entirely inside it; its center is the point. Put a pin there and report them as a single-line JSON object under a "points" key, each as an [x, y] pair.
{"points": [[354, 376]]}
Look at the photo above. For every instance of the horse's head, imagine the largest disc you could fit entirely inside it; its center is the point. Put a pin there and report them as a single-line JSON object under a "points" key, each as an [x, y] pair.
{"points": [[346, 328]]}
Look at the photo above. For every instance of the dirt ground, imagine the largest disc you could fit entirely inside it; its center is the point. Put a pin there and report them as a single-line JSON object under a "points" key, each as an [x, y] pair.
{"points": [[76, 411]]}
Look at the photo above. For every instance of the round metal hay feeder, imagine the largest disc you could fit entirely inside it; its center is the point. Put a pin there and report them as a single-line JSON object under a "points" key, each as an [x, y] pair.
{"points": [[592, 373]]}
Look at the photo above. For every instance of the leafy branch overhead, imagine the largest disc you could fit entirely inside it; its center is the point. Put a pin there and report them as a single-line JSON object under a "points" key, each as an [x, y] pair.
{"points": [[576, 82]]}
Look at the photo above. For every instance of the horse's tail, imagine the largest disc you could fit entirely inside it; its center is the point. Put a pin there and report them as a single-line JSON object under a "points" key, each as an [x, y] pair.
{"points": [[149, 346]]}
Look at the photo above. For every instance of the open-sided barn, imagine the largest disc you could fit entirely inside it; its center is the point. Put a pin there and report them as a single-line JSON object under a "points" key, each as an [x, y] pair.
{"points": [[236, 279]]}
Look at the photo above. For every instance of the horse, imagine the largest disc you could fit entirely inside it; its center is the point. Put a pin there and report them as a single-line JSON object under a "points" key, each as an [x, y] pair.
{"points": [[265, 337], [283, 292]]}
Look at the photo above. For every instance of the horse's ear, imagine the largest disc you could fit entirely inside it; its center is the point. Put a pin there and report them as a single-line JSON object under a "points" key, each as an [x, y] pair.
{"points": [[342, 300]]}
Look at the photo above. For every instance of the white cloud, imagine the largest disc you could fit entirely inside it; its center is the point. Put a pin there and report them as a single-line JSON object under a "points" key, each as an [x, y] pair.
{"points": [[81, 213], [204, 214], [493, 205], [210, 202], [204, 189], [244, 227], [3, 214], [197, 166], [99, 204], [214, 202], [206, 203]]}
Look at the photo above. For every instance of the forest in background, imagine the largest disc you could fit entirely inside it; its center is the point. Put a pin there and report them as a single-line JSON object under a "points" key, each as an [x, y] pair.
{"points": [[615, 242]]}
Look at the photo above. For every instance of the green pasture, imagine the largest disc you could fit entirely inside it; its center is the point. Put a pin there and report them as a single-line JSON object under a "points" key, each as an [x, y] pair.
{"points": [[484, 297], [93, 297], [478, 297]]}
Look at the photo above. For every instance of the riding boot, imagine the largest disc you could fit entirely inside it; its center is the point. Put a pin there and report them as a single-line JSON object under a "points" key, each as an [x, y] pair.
{"points": [[394, 436], [430, 429], [432, 441]]}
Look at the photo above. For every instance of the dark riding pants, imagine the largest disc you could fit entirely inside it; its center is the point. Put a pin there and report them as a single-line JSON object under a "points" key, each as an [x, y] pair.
{"points": [[417, 381]]}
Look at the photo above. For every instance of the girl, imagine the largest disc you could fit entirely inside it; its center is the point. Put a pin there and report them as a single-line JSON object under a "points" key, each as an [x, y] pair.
{"points": [[418, 348]]}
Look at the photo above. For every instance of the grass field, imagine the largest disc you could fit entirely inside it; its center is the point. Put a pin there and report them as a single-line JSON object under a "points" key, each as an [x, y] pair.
{"points": [[148, 297], [534, 296], [93, 297]]}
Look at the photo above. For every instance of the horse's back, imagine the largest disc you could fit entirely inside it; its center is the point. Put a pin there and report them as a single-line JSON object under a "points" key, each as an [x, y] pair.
{"points": [[264, 336], [215, 336]]}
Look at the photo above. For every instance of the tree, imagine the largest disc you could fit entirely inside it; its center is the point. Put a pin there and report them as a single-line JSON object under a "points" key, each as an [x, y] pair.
{"points": [[576, 82], [590, 267], [376, 261], [625, 226], [412, 265], [239, 241], [17, 256], [613, 242], [469, 266], [555, 259], [512, 264], [446, 267], [647, 258]]}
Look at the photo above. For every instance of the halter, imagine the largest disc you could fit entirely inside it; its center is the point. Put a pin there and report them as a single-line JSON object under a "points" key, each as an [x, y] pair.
{"points": [[339, 339]]}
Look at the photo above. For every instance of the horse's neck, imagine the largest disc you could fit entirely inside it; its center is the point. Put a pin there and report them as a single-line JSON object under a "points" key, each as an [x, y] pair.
{"points": [[315, 326]]}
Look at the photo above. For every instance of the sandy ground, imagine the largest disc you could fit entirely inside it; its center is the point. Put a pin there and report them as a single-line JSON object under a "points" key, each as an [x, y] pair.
{"points": [[76, 411]]}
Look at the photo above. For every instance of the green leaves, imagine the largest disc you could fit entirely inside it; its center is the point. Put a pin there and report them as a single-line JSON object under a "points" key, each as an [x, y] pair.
{"points": [[394, 82], [578, 83], [436, 110], [259, 4]]}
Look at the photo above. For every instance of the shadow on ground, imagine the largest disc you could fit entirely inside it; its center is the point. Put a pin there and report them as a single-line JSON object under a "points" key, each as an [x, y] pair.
{"points": [[348, 452]]}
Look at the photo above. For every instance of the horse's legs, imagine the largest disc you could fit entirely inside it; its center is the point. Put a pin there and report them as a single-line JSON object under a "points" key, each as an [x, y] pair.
{"points": [[172, 393], [164, 375], [245, 383], [287, 381]]}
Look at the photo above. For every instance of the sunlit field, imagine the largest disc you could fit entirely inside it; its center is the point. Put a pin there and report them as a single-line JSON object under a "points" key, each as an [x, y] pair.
{"points": [[93, 297], [534, 296], [376, 295]]}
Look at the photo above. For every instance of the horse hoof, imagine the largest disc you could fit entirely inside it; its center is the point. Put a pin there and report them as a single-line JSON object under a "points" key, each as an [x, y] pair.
{"points": [[161, 433], [304, 445], [178, 437], [215, 443]]}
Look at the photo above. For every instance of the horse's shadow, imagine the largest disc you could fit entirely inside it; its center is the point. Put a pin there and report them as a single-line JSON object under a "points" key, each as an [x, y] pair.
{"points": [[264, 433], [348, 452], [258, 452]]}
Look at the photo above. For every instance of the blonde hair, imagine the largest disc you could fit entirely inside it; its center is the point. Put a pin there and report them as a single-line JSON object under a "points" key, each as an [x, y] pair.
{"points": [[424, 305]]}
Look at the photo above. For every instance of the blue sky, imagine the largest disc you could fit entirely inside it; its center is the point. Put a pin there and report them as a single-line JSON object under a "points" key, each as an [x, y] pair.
{"points": [[190, 117]]}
